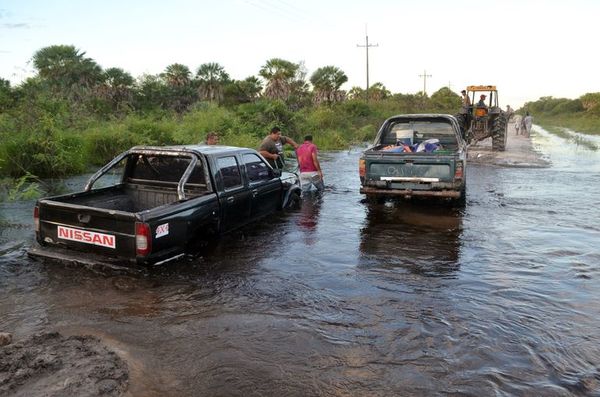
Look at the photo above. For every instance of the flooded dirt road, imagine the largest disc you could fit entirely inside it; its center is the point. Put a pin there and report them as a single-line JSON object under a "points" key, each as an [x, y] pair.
{"points": [[347, 299]]}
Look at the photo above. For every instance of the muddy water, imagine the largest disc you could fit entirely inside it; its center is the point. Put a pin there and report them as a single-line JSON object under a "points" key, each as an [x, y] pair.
{"points": [[346, 298]]}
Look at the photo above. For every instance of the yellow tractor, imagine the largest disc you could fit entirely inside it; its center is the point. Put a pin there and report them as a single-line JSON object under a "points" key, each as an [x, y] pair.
{"points": [[483, 118]]}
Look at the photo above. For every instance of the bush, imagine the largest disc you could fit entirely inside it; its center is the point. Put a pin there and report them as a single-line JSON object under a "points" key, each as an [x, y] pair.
{"points": [[151, 132], [45, 154], [193, 126], [103, 146], [259, 117]]}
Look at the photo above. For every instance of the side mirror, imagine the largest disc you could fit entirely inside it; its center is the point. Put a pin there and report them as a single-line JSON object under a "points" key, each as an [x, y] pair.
{"points": [[276, 173]]}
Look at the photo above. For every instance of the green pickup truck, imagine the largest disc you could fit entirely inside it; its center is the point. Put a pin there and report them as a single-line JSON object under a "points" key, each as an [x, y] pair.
{"points": [[416, 155]]}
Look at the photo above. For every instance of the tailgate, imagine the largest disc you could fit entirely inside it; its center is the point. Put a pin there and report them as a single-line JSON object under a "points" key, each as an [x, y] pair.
{"points": [[411, 171], [93, 230]]}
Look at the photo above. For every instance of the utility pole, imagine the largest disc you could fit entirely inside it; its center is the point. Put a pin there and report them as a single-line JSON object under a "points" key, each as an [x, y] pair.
{"points": [[425, 75], [367, 45]]}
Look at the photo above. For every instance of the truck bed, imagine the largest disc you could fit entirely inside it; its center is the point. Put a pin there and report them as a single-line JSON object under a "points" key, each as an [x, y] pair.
{"points": [[128, 197]]}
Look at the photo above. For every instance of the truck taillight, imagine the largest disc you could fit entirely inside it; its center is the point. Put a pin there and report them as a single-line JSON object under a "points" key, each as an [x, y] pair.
{"points": [[143, 239], [362, 169], [458, 172], [36, 219]]}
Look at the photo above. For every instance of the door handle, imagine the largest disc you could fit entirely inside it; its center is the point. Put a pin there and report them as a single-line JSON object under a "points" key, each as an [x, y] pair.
{"points": [[230, 199], [255, 193]]}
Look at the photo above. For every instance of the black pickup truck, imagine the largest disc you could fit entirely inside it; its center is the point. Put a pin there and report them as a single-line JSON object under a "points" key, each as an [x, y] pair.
{"points": [[151, 204], [416, 155]]}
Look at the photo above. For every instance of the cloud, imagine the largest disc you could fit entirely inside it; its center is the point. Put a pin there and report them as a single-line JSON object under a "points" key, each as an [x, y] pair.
{"points": [[22, 25]]}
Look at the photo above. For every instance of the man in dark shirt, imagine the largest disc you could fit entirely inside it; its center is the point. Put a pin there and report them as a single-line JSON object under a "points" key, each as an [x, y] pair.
{"points": [[271, 148]]}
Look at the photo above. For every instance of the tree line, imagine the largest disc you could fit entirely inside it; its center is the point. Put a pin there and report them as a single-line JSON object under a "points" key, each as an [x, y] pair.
{"points": [[581, 114], [73, 114]]}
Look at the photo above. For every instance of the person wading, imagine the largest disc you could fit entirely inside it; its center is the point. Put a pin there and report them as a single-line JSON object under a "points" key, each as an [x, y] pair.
{"points": [[271, 148], [311, 175]]}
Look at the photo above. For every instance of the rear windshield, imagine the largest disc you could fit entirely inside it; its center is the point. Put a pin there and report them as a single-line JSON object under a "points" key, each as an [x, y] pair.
{"points": [[164, 168], [418, 130]]}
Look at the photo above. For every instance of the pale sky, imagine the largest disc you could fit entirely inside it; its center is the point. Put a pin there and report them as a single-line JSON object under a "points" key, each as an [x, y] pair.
{"points": [[527, 48]]}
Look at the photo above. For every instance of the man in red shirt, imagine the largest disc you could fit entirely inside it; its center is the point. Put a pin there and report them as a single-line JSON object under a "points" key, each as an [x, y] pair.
{"points": [[310, 169]]}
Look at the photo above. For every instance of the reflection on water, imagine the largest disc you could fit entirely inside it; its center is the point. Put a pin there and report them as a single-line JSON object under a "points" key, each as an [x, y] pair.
{"points": [[309, 217], [346, 298], [413, 235]]}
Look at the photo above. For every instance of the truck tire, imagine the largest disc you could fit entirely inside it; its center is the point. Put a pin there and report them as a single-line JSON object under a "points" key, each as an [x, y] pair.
{"points": [[294, 201], [499, 135], [462, 200]]}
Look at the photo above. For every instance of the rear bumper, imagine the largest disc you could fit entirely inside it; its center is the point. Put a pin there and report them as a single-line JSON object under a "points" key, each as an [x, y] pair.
{"points": [[84, 259], [94, 261], [410, 193]]}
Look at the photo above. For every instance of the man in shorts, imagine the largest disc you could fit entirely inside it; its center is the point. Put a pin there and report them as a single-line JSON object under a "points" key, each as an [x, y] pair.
{"points": [[311, 175]]}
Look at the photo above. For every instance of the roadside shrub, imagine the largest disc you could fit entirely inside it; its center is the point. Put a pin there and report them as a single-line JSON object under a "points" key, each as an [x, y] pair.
{"points": [[241, 140], [324, 118], [590, 100], [355, 108], [364, 134], [103, 146], [193, 126], [45, 154], [329, 140], [567, 106], [259, 117], [151, 132], [26, 187]]}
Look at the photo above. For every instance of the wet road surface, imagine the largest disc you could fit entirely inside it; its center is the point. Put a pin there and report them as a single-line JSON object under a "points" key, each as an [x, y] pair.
{"points": [[344, 298]]}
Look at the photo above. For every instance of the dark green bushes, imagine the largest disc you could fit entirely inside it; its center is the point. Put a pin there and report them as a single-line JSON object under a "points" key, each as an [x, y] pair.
{"points": [[43, 154], [581, 114]]}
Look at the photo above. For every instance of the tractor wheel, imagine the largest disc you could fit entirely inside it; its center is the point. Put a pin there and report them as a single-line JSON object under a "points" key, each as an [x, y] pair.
{"points": [[499, 134]]}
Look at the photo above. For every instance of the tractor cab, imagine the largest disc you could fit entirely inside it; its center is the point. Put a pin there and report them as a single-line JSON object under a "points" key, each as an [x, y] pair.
{"points": [[484, 118]]}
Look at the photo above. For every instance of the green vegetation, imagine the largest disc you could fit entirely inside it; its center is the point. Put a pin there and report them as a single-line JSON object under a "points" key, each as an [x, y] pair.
{"points": [[73, 115], [581, 114]]}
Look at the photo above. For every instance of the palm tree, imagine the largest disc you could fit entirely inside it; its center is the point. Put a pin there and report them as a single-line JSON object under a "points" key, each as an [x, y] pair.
{"points": [[117, 88], [212, 78], [67, 68], [279, 75], [327, 82], [179, 93], [177, 75], [356, 93], [378, 92], [150, 92]]}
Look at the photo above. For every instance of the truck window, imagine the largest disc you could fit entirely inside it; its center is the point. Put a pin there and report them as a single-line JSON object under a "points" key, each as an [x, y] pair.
{"points": [[230, 172], [114, 176], [422, 130], [164, 169], [256, 169]]}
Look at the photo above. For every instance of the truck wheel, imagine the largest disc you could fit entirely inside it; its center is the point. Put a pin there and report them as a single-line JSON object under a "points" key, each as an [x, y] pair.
{"points": [[499, 135], [462, 200], [374, 199], [293, 202]]}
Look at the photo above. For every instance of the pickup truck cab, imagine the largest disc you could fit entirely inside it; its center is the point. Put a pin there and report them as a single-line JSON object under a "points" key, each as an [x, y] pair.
{"points": [[415, 155], [151, 204]]}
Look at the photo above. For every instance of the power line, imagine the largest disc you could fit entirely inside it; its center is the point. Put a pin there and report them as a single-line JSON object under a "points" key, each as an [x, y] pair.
{"points": [[367, 46], [425, 75]]}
